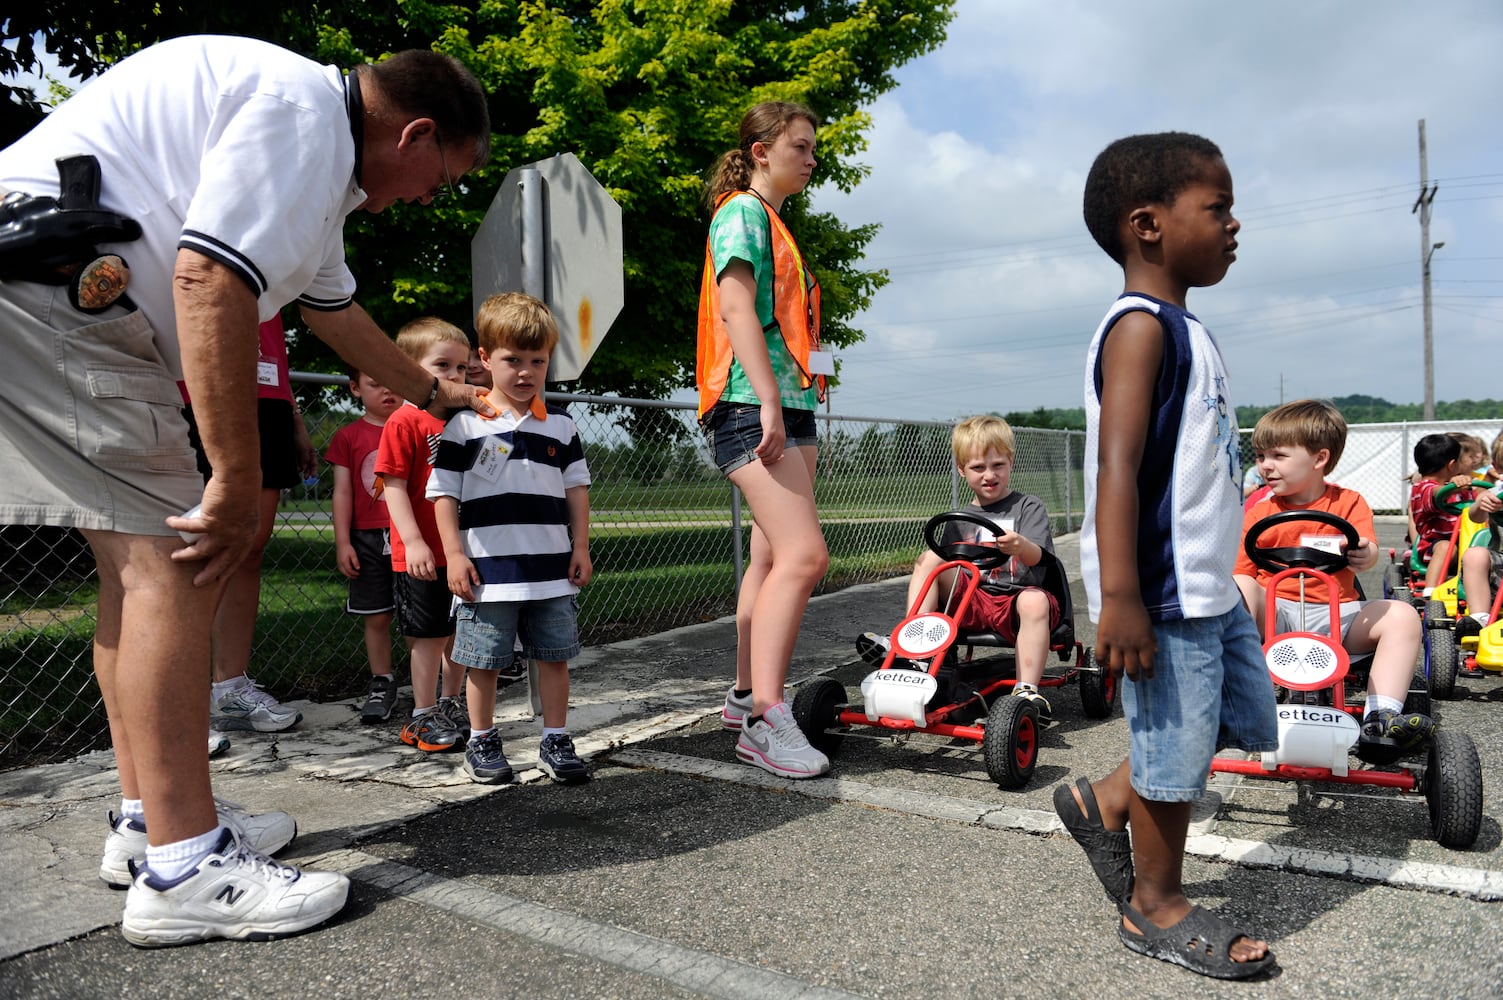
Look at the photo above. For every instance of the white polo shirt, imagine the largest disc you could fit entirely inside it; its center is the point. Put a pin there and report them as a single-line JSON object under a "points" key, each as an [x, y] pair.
{"points": [[233, 147]]}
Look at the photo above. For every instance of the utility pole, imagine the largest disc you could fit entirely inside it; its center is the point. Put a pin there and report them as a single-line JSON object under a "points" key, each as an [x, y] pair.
{"points": [[1422, 207]]}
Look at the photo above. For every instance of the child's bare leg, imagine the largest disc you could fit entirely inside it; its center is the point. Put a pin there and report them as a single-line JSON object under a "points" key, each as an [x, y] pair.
{"points": [[1032, 609], [480, 699], [427, 659], [1391, 631], [553, 691], [922, 567], [757, 567], [378, 643], [452, 677], [1474, 570], [782, 497]]}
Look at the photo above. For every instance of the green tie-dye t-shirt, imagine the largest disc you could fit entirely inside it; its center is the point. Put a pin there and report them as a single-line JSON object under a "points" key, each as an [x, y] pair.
{"points": [[742, 231]]}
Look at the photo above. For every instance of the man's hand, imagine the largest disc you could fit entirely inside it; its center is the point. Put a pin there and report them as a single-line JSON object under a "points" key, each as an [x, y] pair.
{"points": [[1124, 638], [459, 396], [227, 525]]}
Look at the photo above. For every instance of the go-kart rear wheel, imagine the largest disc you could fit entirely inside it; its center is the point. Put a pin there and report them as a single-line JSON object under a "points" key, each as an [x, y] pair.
{"points": [[815, 709], [1098, 688], [1418, 698], [1435, 615], [1395, 583], [1440, 658], [1011, 743], [1453, 789]]}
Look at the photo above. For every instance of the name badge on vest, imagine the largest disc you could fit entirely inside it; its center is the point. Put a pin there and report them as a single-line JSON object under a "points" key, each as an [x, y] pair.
{"points": [[266, 373], [821, 363]]}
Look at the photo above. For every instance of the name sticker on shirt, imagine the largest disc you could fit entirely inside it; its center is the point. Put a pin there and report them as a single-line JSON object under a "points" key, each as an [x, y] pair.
{"points": [[493, 452], [1322, 543], [821, 363], [266, 373]]}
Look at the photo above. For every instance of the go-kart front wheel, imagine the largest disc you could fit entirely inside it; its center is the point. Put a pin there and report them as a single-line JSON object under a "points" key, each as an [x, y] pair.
{"points": [[1440, 657], [1011, 743], [1098, 688], [1395, 583], [815, 708], [1453, 789]]}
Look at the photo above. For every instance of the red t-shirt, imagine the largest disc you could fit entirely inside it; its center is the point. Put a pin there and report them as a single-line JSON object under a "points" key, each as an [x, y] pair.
{"points": [[354, 447], [1434, 525], [1338, 500], [273, 380], [408, 444]]}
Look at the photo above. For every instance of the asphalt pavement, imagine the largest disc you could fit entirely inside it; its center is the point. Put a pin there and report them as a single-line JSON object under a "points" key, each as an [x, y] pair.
{"points": [[679, 872]]}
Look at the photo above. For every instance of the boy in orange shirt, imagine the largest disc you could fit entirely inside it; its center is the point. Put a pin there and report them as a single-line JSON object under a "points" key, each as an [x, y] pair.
{"points": [[1297, 445]]}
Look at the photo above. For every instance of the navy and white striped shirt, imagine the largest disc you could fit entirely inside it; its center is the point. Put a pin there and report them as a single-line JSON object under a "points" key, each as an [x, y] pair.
{"points": [[1189, 492], [509, 477]]}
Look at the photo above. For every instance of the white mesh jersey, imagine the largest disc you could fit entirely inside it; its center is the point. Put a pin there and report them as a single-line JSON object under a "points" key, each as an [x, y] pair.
{"points": [[231, 147], [1189, 495]]}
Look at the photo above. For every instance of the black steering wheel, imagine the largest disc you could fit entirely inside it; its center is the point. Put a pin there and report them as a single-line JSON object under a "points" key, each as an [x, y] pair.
{"points": [[1457, 506], [1278, 558], [983, 557]]}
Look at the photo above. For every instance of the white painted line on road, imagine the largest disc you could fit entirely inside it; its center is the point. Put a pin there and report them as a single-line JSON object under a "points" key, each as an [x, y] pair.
{"points": [[1477, 883], [699, 971]]}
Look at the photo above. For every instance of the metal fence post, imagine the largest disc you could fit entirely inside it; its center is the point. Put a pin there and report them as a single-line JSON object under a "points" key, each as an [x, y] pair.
{"points": [[1069, 480]]}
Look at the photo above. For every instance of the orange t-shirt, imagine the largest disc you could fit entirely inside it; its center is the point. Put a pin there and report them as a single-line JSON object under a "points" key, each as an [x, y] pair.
{"points": [[1344, 503]]}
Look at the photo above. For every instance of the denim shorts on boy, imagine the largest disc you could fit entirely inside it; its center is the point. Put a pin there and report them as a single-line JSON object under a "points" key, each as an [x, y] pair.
{"points": [[423, 606], [92, 433], [1210, 689], [371, 590], [1317, 616], [275, 423], [485, 635], [733, 431], [996, 613]]}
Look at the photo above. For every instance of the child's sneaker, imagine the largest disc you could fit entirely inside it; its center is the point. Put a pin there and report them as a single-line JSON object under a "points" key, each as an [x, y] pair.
{"points": [[431, 732], [777, 745], [218, 743], [1039, 702], [236, 892], [558, 760], [380, 699], [733, 714], [247, 706], [873, 648], [458, 716], [1408, 731], [266, 832], [485, 760]]}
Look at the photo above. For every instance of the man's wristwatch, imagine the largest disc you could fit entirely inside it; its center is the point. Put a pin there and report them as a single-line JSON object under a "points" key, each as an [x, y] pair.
{"points": [[432, 393]]}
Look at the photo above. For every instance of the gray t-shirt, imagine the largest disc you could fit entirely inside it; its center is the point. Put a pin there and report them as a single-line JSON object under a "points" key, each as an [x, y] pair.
{"points": [[1019, 512]]}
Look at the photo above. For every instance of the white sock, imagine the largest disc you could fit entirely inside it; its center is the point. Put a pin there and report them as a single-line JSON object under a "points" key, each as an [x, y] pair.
{"points": [[1480, 617], [172, 861], [131, 809], [1378, 703], [418, 713], [221, 688], [549, 731], [476, 734]]}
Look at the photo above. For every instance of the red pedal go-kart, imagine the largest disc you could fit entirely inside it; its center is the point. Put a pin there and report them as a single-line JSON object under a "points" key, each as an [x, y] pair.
{"points": [[926, 685], [1318, 729]]}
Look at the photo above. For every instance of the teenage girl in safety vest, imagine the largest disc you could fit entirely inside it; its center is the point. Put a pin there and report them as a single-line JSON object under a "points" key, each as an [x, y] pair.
{"points": [[759, 375]]}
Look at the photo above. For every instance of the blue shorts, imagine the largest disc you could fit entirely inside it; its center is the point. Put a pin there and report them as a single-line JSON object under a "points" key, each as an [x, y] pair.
{"points": [[1210, 689], [733, 431], [485, 635]]}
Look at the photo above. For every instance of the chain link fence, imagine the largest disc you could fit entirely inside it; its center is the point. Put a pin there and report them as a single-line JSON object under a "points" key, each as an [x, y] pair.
{"points": [[668, 537]]}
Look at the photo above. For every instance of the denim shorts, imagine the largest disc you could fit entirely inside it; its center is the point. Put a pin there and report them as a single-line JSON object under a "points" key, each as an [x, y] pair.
{"points": [[485, 635], [1210, 689], [733, 431]]}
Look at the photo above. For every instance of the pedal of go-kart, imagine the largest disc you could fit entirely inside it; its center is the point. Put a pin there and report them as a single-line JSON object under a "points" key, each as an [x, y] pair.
{"points": [[898, 694]]}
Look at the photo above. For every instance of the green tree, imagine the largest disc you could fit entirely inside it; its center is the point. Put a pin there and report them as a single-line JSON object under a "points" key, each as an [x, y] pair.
{"points": [[647, 93]]}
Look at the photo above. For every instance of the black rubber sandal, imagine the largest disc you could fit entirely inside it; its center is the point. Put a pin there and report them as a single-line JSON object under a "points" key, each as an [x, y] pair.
{"points": [[1201, 942], [1108, 851]]}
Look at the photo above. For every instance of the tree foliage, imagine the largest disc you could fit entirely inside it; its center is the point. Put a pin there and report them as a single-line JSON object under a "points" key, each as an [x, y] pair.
{"points": [[647, 93]]}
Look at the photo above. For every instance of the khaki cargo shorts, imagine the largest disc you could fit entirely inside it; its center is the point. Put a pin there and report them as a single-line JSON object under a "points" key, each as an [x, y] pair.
{"points": [[91, 428]]}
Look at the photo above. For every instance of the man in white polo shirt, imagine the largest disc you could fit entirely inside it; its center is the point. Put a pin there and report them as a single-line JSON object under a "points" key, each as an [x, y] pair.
{"points": [[239, 161]]}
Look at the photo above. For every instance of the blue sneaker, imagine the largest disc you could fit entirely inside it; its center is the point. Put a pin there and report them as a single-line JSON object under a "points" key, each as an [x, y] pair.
{"points": [[558, 760], [485, 760]]}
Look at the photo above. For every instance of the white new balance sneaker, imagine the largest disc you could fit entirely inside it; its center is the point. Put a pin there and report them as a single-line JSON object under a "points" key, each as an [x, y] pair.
{"points": [[247, 706], [266, 832], [235, 892], [776, 744]]}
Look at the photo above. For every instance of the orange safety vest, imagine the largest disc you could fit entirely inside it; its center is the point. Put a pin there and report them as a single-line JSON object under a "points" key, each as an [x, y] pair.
{"points": [[795, 312]]}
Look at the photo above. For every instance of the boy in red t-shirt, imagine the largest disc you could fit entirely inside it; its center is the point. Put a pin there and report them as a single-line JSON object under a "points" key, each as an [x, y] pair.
{"points": [[420, 584], [1438, 459], [1297, 446], [362, 535]]}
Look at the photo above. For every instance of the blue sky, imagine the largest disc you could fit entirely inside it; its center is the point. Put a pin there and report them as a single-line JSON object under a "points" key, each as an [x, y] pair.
{"points": [[979, 156]]}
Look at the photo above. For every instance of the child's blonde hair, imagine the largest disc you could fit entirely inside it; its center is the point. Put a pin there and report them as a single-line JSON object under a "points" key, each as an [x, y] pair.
{"points": [[418, 337], [975, 436], [1311, 424], [1497, 453], [517, 321], [1469, 443]]}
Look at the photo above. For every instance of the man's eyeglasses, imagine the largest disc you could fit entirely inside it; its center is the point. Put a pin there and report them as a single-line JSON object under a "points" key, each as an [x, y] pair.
{"points": [[448, 187]]}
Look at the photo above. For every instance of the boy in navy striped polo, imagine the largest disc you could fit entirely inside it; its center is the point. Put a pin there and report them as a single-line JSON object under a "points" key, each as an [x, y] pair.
{"points": [[511, 494]]}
